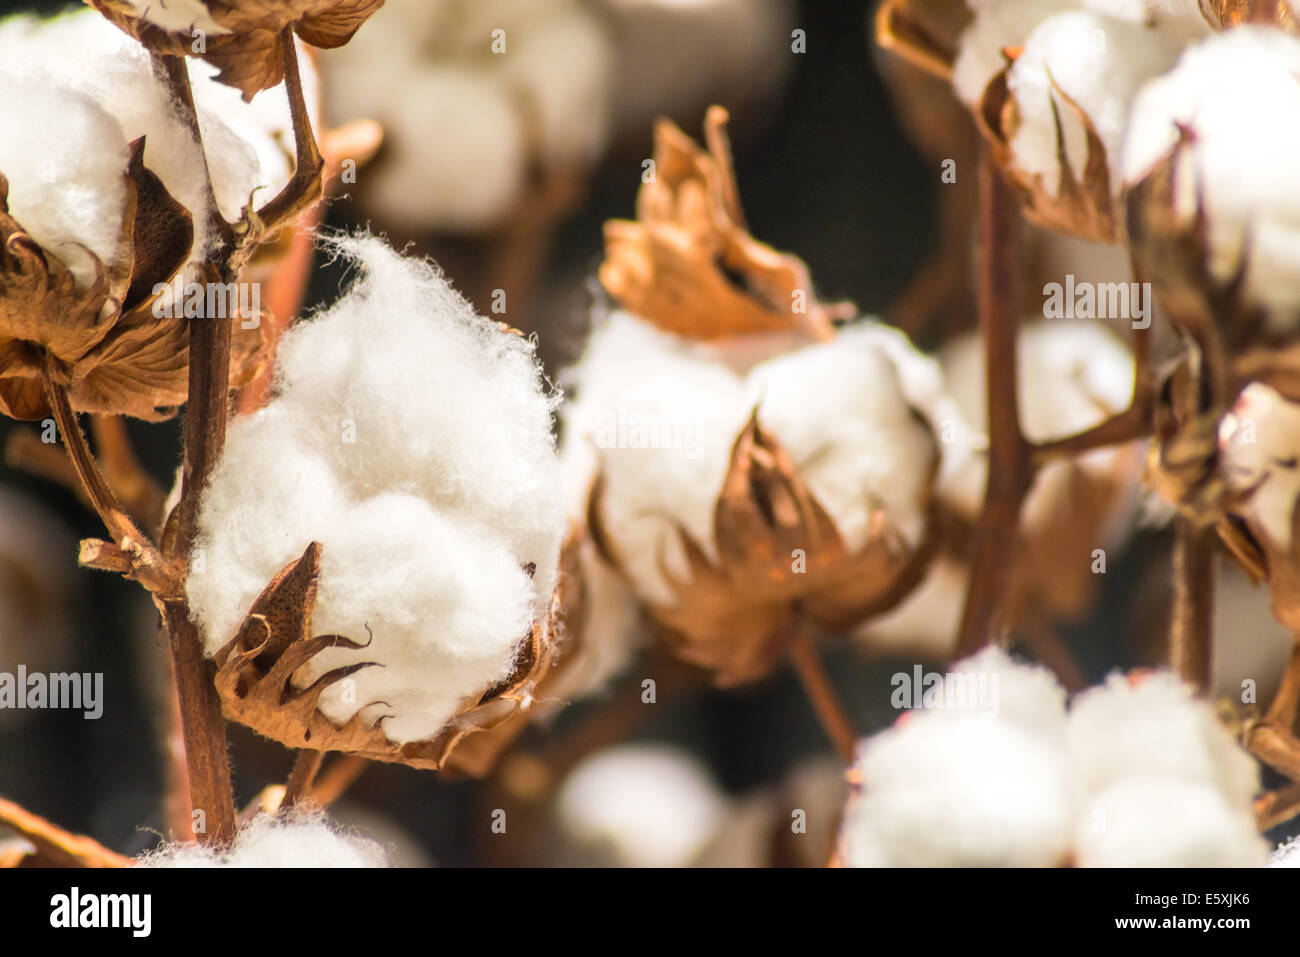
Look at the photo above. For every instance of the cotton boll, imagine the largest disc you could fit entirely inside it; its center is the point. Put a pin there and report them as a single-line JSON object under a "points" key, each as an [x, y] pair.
{"points": [[1157, 727], [1151, 821], [285, 840], [839, 411], [1259, 442], [447, 610], [952, 789], [997, 24], [1234, 93], [1099, 63], [65, 160], [1071, 374], [562, 68], [266, 501], [641, 805], [662, 417], [1026, 695], [454, 154], [1177, 19], [402, 387]]}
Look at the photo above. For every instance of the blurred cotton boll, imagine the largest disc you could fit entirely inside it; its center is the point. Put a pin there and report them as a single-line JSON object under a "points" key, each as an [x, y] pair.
{"points": [[640, 805], [476, 99]]}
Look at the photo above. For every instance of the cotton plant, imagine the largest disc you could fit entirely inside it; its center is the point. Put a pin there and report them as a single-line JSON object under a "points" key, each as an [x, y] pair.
{"points": [[743, 464], [406, 512], [478, 99], [1136, 772]]}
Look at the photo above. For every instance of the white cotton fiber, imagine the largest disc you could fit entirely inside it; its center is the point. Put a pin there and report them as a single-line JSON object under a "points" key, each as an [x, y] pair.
{"points": [[1177, 19], [177, 16], [662, 413], [246, 145], [1099, 63], [998, 24], [1150, 821], [959, 789], [411, 438], [1071, 375], [284, 840], [1259, 443], [454, 152], [643, 805], [1154, 727], [402, 387], [1237, 93], [1286, 855], [65, 159]]}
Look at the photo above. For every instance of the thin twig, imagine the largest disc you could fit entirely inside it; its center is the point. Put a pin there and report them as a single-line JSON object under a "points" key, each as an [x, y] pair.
{"points": [[821, 693], [298, 787], [136, 488], [1277, 807], [306, 186], [1191, 623], [997, 530]]}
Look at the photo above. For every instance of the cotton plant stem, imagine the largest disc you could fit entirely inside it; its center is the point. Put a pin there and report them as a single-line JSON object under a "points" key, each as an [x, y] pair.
{"points": [[53, 844], [821, 693], [122, 470], [1277, 807], [306, 186], [298, 787], [997, 529], [1191, 622]]}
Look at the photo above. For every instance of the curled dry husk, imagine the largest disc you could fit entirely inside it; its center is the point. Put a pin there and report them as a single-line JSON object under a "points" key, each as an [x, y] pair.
{"points": [[687, 263], [255, 672], [1083, 207], [102, 344], [245, 46], [1224, 14], [738, 617]]}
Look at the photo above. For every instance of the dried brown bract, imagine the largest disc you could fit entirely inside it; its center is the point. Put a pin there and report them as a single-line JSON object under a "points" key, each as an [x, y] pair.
{"points": [[1084, 206], [241, 38], [781, 565], [255, 678], [688, 265]]}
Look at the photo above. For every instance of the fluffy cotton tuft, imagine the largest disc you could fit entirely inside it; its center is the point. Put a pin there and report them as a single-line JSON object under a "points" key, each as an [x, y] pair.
{"points": [[646, 805], [412, 438], [1151, 821], [1154, 726], [997, 24], [284, 840], [246, 145], [658, 415], [1286, 855], [1099, 63], [1237, 93], [65, 161], [965, 787]]}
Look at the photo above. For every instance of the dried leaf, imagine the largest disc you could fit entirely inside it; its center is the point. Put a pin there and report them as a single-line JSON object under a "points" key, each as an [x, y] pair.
{"points": [[255, 679], [780, 560], [1084, 208], [248, 55], [688, 265]]}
